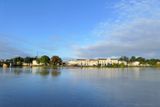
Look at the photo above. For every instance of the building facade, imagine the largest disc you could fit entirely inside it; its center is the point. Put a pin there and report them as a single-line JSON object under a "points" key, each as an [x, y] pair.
{"points": [[136, 63], [95, 62], [35, 63]]}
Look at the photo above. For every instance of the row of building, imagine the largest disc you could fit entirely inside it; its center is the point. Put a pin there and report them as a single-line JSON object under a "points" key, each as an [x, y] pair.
{"points": [[99, 62], [34, 63], [94, 62], [85, 62]]}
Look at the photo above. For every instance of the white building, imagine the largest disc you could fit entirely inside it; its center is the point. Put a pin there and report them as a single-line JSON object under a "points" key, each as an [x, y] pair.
{"points": [[136, 63], [94, 62], [158, 63], [35, 63]]}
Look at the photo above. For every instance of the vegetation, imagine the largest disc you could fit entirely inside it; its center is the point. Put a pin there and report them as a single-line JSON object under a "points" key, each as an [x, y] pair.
{"points": [[44, 60], [15, 61], [56, 60], [124, 58], [1, 63], [143, 61], [29, 60]]}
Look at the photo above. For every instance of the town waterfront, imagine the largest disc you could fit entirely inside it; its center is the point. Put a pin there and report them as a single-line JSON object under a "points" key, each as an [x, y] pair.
{"points": [[76, 87]]}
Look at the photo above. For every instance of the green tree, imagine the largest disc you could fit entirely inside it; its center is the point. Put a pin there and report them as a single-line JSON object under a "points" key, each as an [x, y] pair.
{"points": [[38, 60], [9, 60], [152, 62], [124, 58], [28, 60], [18, 60], [141, 60], [0, 64], [56, 60], [133, 58], [44, 60]]}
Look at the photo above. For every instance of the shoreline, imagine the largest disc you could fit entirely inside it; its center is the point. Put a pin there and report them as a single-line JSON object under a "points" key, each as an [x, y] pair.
{"points": [[56, 67]]}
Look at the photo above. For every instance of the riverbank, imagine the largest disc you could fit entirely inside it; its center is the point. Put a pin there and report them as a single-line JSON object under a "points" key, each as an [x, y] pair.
{"points": [[56, 67]]}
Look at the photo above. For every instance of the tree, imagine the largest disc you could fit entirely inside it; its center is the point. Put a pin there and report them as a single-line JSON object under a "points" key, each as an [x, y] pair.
{"points": [[44, 59], [18, 60], [9, 61], [124, 58], [38, 60], [141, 60], [0, 63], [56, 60], [28, 60], [152, 62], [133, 58]]}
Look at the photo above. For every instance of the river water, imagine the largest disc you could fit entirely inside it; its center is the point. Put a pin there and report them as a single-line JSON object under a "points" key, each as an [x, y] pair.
{"points": [[80, 87]]}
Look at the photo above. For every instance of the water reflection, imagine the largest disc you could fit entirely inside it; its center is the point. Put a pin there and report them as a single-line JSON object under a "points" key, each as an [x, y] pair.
{"points": [[87, 87], [43, 72], [46, 72], [55, 72], [31, 70], [79, 73], [17, 71], [110, 73]]}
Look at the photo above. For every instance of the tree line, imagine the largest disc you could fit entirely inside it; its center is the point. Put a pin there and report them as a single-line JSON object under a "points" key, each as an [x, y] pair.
{"points": [[140, 59], [44, 60]]}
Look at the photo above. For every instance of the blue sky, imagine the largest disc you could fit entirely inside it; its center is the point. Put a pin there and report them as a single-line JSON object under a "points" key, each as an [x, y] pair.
{"points": [[79, 28]]}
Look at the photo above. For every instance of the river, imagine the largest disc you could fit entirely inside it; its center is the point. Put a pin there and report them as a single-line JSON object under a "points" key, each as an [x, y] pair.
{"points": [[79, 87]]}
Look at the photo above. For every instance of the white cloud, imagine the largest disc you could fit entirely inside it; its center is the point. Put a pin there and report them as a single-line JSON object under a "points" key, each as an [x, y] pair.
{"points": [[136, 33], [137, 8]]}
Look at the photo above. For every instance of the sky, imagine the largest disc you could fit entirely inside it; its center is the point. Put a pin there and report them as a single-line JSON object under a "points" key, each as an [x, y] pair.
{"points": [[80, 28]]}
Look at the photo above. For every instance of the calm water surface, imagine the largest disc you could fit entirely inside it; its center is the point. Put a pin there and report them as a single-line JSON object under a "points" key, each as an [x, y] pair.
{"points": [[75, 87]]}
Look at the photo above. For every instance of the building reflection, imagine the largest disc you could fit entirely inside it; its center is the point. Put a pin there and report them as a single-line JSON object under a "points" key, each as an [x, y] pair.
{"points": [[110, 73]]}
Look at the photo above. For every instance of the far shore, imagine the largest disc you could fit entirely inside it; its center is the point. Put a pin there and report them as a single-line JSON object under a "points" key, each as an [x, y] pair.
{"points": [[56, 67]]}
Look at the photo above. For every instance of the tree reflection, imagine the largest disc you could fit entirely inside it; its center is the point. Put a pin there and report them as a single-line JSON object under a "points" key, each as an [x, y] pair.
{"points": [[55, 72], [17, 71], [44, 72], [38, 71]]}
